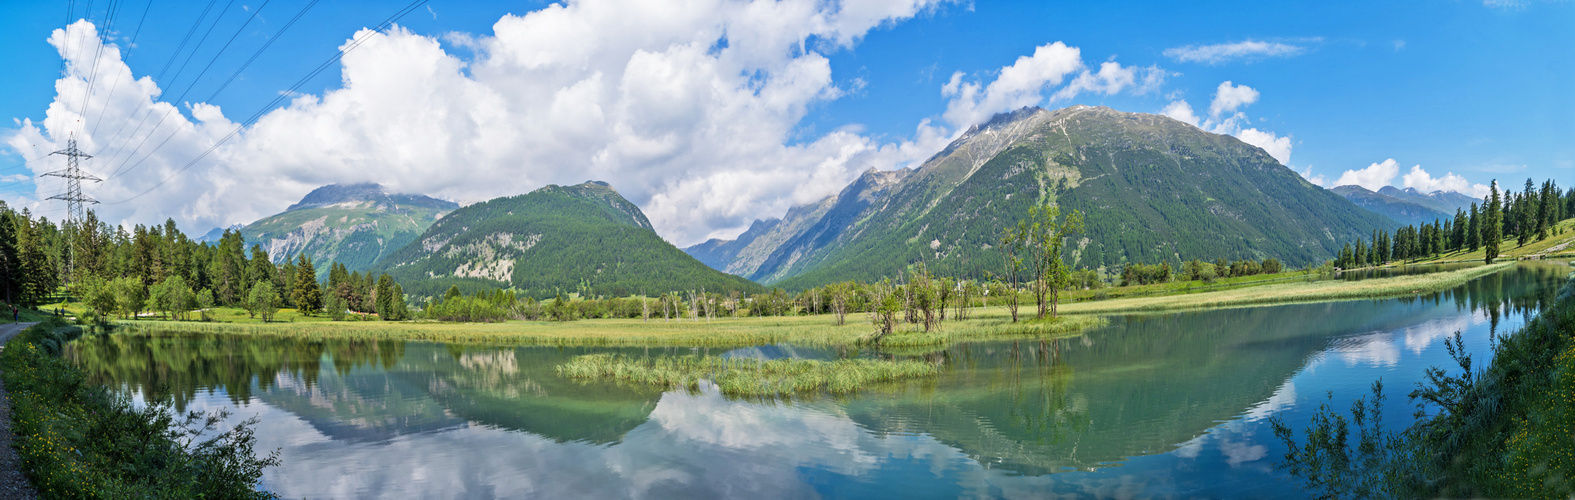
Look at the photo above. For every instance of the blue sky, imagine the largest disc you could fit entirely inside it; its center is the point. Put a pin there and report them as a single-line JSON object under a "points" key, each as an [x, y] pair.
{"points": [[1479, 90]]}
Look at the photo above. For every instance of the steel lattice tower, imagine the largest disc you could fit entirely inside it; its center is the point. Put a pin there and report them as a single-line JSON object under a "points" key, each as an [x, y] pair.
{"points": [[74, 176], [73, 196]]}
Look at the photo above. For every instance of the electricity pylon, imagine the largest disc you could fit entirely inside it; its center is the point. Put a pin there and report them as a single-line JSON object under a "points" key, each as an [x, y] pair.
{"points": [[74, 177], [73, 196]]}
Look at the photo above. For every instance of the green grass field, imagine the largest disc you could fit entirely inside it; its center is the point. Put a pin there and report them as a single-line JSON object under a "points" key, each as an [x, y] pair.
{"points": [[984, 323], [1290, 292]]}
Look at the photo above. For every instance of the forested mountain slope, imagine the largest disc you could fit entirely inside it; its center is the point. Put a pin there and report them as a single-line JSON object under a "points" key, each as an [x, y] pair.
{"points": [[1154, 189], [584, 237], [352, 225]]}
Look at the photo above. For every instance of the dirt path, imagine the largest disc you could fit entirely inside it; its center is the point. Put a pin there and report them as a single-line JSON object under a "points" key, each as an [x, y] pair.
{"points": [[13, 484]]}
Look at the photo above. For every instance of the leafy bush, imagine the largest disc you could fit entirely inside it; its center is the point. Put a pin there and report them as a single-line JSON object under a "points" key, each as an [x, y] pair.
{"points": [[78, 440]]}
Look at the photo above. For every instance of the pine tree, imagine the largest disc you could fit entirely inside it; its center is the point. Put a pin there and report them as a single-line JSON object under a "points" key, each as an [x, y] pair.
{"points": [[10, 259], [260, 268], [1524, 214], [385, 294], [399, 311], [308, 295], [1474, 229], [1493, 226]]}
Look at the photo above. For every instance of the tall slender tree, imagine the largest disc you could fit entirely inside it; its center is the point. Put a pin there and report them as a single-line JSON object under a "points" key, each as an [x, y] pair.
{"points": [[1493, 225], [307, 294], [1474, 229]]}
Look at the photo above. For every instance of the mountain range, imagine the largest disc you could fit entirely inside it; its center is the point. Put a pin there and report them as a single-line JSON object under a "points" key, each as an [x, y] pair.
{"points": [[354, 225], [1407, 206], [584, 237], [1153, 190]]}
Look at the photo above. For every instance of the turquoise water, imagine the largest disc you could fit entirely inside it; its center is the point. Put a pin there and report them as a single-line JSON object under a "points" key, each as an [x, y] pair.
{"points": [[1154, 405]]}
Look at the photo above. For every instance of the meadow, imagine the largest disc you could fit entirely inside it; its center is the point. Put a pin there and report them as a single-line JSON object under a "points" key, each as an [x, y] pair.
{"points": [[983, 323]]}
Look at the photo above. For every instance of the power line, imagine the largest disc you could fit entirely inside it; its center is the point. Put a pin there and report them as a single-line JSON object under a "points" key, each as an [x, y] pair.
{"points": [[109, 24], [122, 167], [190, 86], [189, 32], [260, 50], [130, 47], [174, 107], [282, 96]]}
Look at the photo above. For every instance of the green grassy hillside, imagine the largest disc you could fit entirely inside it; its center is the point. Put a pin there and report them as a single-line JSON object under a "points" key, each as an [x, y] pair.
{"points": [[575, 238]]}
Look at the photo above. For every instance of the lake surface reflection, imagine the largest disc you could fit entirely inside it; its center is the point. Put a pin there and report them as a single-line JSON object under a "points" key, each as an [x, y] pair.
{"points": [[1154, 405]]}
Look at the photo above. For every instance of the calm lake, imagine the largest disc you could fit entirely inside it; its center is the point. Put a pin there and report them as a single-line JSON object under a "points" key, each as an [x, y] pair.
{"points": [[1154, 405]]}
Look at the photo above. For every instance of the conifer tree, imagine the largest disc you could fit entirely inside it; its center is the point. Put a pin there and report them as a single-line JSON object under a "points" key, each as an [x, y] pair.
{"points": [[1493, 225], [10, 259], [308, 295], [1524, 215], [1474, 229]]}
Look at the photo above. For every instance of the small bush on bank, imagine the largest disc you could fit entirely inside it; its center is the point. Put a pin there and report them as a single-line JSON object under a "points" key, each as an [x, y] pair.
{"points": [[78, 440]]}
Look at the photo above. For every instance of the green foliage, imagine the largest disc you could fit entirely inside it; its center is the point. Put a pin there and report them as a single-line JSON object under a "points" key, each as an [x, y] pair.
{"points": [[307, 296], [1493, 227], [173, 297], [263, 300], [78, 440], [130, 296], [1497, 432]]}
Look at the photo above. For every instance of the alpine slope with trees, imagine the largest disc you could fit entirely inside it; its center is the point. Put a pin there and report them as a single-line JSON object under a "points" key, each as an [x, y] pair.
{"points": [[1152, 187], [584, 239]]}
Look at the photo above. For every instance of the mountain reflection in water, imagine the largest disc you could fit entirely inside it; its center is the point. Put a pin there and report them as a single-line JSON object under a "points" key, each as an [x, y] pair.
{"points": [[1152, 405]]}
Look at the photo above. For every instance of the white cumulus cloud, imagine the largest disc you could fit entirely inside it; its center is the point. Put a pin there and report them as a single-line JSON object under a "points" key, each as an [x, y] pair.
{"points": [[1373, 177], [1277, 146], [1025, 82], [686, 107], [1226, 117], [1424, 182], [1318, 179], [1181, 111], [1229, 98], [1380, 174], [1226, 52]]}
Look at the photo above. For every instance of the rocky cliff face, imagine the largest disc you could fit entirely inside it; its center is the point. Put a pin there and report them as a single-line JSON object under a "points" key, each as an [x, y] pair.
{"points": [[352, 225]]}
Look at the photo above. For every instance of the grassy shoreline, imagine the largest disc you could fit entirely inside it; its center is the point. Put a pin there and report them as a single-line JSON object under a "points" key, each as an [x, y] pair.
{"points": [[1287, 293], [985, 324]]}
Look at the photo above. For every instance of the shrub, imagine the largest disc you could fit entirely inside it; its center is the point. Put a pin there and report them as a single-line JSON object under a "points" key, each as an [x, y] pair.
{"points": [[78, 440]]}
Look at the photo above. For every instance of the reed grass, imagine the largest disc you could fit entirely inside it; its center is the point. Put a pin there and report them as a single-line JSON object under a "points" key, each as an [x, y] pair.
{"points": [[992, 328], [745, 377]]}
